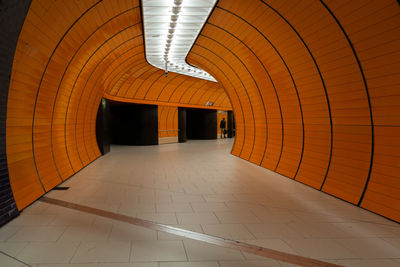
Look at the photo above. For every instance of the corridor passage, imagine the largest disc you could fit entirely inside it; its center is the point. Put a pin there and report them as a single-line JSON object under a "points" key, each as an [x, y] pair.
{"points": [[201, 187]]}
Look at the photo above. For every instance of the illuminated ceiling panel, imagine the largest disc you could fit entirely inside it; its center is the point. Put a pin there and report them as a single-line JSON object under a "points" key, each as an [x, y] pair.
{"points": [[170, 29]]}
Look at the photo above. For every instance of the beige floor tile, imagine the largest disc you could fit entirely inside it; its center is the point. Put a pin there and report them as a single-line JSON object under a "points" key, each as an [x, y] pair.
{"points": [[68, 265], [95, 232], [234, 217], [353, 213], [160, 250], [394, 241], [133, 208], [132, 192], [48, 252], [280, 203], [102, 252], [273, 230], [219, 197], [204, 207], [157, 199], [187, 199], [12, 248], [32, 220], [36, 208], [8, 231], [320, 217], [131, 264], [285, 264], [268, 216], [321, 248], [155, 185], [252, 197], [318, 230], [365, 229], [56, 210], [10, 262], [197, 218], [73, 218], [163, 218], [38, 234], [258, 263], [230, 231], [196, 190], [367, 248], [127, 232], [174, 207], [200, 251], [244, 206], [368, 263], [176, 187], [190, 264]]}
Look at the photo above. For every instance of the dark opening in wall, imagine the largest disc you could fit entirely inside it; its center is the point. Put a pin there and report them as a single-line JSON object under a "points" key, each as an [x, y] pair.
{"points": [[231, 125], [182, 134], [133, 124], [103, 130], [201, 124]]}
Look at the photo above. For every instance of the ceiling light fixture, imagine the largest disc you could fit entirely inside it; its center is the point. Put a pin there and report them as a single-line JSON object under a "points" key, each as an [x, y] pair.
{"points": [[170, 29]]}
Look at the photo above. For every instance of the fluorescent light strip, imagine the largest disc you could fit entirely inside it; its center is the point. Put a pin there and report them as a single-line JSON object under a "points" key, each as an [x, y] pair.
{"points": [[170, 29]]}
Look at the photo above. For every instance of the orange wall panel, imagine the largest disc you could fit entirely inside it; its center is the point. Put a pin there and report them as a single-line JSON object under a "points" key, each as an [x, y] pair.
{"points": [[331, 96], [167, 121]]}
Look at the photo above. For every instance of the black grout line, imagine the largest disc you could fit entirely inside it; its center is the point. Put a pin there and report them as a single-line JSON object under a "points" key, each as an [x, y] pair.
{"points": [[184, 248]]}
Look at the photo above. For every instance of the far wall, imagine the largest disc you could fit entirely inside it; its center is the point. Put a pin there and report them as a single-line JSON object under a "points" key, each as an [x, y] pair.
{"points": [[133, 124], [201, 124]]}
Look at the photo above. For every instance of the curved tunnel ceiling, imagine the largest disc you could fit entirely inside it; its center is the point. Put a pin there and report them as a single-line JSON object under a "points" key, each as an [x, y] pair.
{"points": [[313, 85]]}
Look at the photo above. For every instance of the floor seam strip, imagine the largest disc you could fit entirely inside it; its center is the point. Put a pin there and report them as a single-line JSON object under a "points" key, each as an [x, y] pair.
{"points": [[219, 241], [14, 258]]}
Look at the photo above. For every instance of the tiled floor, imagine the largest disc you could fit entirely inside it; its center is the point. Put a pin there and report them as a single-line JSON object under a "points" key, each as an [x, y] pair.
{"points": [[197, 186]]}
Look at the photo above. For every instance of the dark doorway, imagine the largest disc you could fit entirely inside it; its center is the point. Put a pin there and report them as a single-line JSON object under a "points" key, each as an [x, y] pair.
{"points": [[182, 137], [231, 124], [201, 124], [103, 127], [133, 124]]}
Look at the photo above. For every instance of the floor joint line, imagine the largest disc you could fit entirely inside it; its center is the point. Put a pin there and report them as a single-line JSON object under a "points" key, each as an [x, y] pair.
{"points": [[14, 258], [219, 241]]}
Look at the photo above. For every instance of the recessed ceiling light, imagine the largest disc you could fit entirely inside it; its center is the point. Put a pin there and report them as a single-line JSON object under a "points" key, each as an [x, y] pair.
{"points": [[173, 22]]}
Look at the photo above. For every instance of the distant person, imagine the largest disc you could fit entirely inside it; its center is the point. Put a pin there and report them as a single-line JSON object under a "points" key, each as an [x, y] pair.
{"points": [[222, 126]]}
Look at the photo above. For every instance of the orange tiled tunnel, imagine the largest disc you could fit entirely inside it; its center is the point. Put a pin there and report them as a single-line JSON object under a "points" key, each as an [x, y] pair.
{"points": [[314, 86]]}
